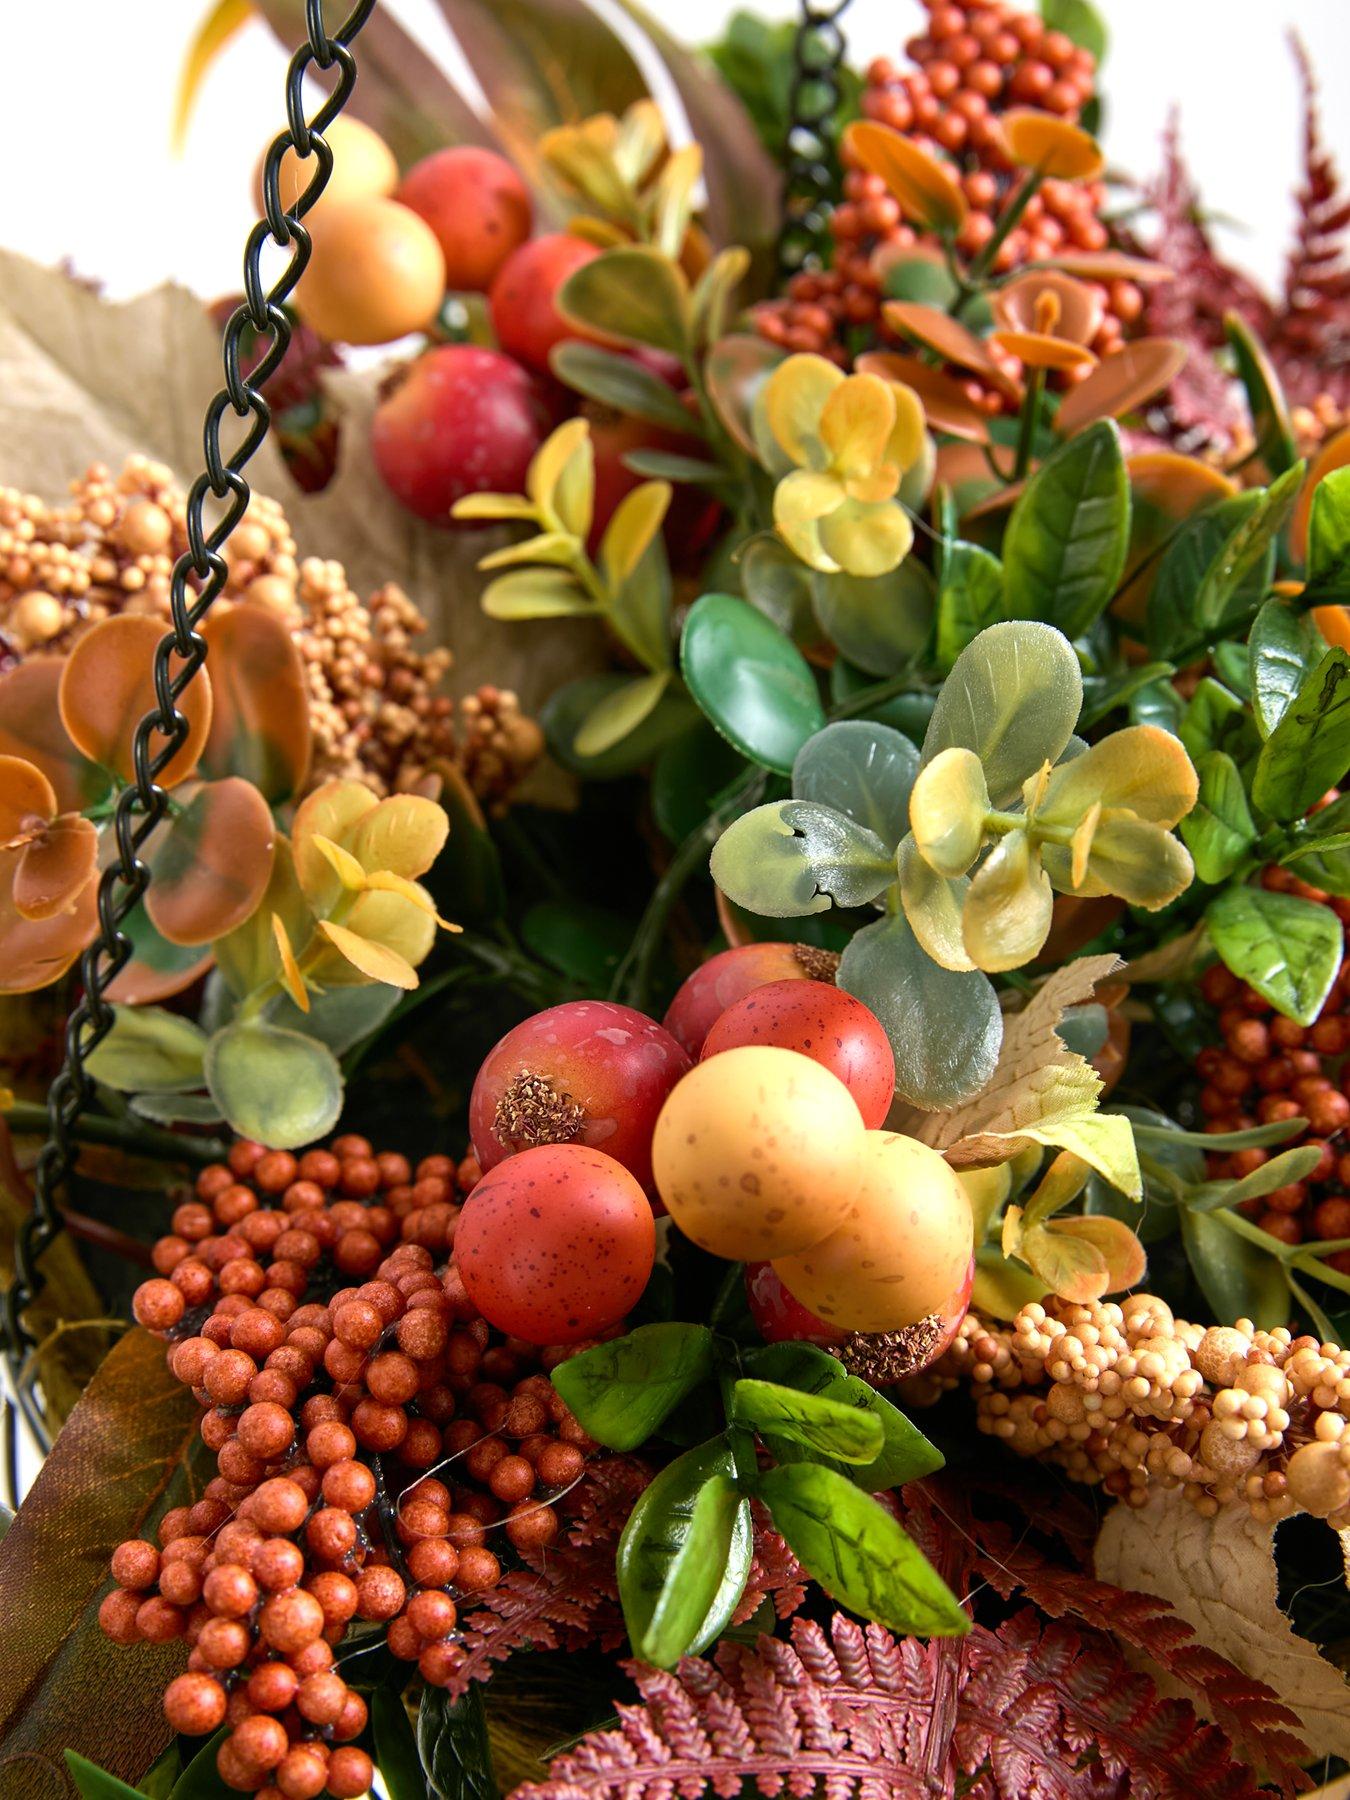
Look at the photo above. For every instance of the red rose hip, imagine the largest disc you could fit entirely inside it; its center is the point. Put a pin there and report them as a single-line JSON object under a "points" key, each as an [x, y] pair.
{"points": [[478, 207], [556, 1244], [730, 976], [821, 1021], [586, 1072], [780, 1318], [523, 296]]}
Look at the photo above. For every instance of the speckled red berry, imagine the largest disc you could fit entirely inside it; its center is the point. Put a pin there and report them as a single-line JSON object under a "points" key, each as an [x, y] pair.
{"points": [[780, 1318], [730, 976], [821, 1021]]}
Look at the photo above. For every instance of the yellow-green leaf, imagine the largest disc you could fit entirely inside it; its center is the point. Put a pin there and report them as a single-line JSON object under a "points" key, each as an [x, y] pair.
{"points": [[634, 294], [946, 811], [405, 834], [1006, 916], [637, 519], [376, 961], [619, 713], [535, 594]]}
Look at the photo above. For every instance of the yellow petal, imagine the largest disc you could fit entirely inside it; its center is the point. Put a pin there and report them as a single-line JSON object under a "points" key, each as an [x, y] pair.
{"points": [[561, 477], [1142, 768], [344, 865], [805, 495], [384, 881], [375, 961], [802, 537], [1006, 917], [794, 399], [865, 539], [291, 978], [856, 422], [628, 536], [909, 434], [1081, 847], [946, 811]]}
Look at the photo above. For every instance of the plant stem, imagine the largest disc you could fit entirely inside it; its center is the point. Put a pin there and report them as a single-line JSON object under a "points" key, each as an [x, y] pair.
{"points": [[1031, 407], [122, 1134], [518, 971]]}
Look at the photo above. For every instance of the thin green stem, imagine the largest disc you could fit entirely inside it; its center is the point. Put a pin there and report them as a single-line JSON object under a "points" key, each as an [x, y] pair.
{"points": [[984, 262], [28, 1120], [876, 695], [1026, 437]]}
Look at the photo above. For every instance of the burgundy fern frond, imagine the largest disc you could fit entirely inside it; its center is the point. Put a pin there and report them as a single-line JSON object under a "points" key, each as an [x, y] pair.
{"points": [[1312, 334], [775, 1573]]}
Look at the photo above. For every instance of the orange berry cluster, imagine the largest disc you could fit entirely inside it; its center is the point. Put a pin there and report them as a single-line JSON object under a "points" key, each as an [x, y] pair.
{"points": [[1269, 1067], [330, 1410], [977, 59]]}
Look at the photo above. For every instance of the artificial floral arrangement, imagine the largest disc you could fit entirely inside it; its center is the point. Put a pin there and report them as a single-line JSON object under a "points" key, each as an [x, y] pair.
{"points": [[811, 1254]]}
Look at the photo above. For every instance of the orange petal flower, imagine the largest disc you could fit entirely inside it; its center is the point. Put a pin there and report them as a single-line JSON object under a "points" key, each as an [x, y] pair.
{"points": [[1048, 320]]}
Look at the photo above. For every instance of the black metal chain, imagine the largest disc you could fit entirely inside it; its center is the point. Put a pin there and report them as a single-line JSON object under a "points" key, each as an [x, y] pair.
{"points": [[813, 109], [198, 577]]}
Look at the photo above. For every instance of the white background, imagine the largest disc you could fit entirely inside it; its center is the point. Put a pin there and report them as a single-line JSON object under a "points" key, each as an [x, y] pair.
{"points": [[88, 172]]}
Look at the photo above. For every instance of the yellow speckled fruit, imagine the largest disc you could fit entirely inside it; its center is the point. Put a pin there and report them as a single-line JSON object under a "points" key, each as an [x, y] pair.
{"points": [[901, 1253], [363, 164], [376, 274], [756, 1153]]}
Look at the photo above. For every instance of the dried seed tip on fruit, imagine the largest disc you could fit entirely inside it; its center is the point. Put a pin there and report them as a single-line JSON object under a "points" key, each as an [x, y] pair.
{"points": [[532, 1112], [816, 964]]}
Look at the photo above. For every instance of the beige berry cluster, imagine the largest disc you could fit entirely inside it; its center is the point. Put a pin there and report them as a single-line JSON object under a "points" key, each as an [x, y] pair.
{"points": [[1126, 1396], [376, 709]]}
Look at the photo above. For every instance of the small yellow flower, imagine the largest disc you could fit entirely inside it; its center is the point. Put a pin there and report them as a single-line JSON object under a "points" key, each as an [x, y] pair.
{"points": [[840, 445]]}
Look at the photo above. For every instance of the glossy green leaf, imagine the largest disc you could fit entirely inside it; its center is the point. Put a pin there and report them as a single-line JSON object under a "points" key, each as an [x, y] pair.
{"points": [[792, 857], [396, 1756], [622, 1391], [684, 1555], [452, 1741], [1103, 694], [1215, 719], [1158, 703], [1222, 596], [566, 710], [970, 596], [1309, 750], [95, 1783], [751, 681], [586, 942], [1271, 424], [279, 1087], [1064, 550], [1013, 697], [1080, 22], [880, 622], [1322, 858], [149, 1050], [634, 294], [944, 1026], [862, 769], [778, 584], [1329, 541], [619, 713], [906, 1453], [689, 774], [858, 1552], [619, 382], [1219, 832], [1288, 949], [822, 1424], [1175, 624], [1237, 1277], [1283, 649]]}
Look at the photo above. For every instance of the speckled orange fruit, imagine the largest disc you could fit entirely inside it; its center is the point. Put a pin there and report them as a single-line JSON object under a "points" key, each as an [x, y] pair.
{"points": [[903, 1250], [376, 273], [756, 1153], [363, 164]]}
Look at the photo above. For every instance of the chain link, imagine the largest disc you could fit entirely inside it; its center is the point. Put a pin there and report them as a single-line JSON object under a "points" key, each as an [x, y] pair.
{"points": [[198, 578], [813, 107]]}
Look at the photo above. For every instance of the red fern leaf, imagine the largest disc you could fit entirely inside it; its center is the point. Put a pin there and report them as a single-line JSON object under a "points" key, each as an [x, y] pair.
{"points": [[1311, 337]]}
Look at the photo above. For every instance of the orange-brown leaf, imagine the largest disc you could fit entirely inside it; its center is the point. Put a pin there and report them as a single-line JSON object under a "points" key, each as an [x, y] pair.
{"points": [[1119, 383], [260, 718], [210, 865], [31, 728], [107, 687], [927, 190], [55, 869]]}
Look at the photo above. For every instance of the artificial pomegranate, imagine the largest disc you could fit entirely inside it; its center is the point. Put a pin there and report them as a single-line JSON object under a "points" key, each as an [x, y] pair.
{"points": [[376, 272], [478, 207], [556, 1244], [586, 1072], [780, 1318], [730, 975], [821, 1021], [522, 297], [456, 420]]}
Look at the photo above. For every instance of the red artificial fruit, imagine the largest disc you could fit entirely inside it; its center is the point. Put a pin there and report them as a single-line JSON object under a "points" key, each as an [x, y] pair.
{"points": [[478, 207], [457, 420], [780, 1318], [726, 978], [521, 299], [586, 1072], [555, 1244], [694, 514], [821, 1021]]}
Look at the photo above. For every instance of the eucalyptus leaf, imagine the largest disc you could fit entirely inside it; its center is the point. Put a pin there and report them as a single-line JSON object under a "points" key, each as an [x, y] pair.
{"points": [[792, 857], [176, 1109], [622, 1391], [340, 1016], [1237, 1277], [862, 769], [970, 596], [452, 1741], [279, 1087], [1219, 831], [1287, 948], [1329, 541], [858, 1551], [684, 1555], [1284, 648], [1013, 697], [944, 1026], [634, 294], [823, 1424], [879, 622], [750, 679], [1309, 750], [1064, 549], [619, 382], [149, 1050]]}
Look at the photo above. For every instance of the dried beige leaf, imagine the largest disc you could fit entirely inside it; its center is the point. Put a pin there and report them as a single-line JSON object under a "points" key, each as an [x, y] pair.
{"points": [[1220, 1575]]}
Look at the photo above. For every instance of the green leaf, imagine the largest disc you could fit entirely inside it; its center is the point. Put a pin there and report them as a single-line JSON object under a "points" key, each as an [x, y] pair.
{"points": [[669, 465], [1174, 619], [684, 1555], [778, 584], [1265, 397], [634, 294], [1102, 694], [585, 942], [452, 1741], [162, 1778], [176, 1109], [858, 1552], [279, 1087], [689, 774], [1221, 599], [621, 1392], [1064, 550], [1309, 750], [944, 1026], [1237, 1277], [906, 1453], [1079, 21], [1013, 697], [620, 382], [1215, 719], [1288, 1166], [1284, 648], [95, 1783], [862, 769], [751, 680], [880, 622], [1323, 857], [1288, 949], [792, 857], [541, 593], [825, 1425], [149, 1050], [1329, 541], [1158, 703], [1219, 832], [396, 1754], [341, 1016], [566, 709], [619, 714], [200, 1780], [970, 596]]}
